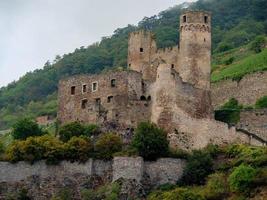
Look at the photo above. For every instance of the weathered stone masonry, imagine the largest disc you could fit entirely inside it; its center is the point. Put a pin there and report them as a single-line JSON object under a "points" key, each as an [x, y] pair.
{"points": [[170, 87], [43, 181]]}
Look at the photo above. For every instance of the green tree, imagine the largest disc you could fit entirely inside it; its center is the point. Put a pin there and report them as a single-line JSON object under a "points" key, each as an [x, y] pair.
{"points": [[150, 141], [67, 131], [258, 44], [198, 167], [241, 178], [108, 144], [24, 128]]}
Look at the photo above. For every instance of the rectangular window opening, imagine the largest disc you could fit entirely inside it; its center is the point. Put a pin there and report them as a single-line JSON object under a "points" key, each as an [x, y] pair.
{"points": [[98, 101], [206, 19], [113, 83], [141, 50], [184, 18], [110, 99], [72, 90], [94, 86], [84, 103], [84, 88]]}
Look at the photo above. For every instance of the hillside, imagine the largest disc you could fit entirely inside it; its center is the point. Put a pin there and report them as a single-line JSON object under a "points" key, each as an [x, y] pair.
{"points": [[235, 23]]}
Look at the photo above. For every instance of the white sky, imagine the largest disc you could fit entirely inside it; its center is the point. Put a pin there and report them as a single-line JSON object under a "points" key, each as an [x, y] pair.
{"points": [[34, 31]]}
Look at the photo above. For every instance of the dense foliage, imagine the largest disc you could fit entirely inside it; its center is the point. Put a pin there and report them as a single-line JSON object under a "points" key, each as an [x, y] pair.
{"points": [[108, 144], [67, 131], [229, 112], [150, 141], [239, 172], [24, 128], [235, 23], [241, 178], [262, 102], [199, 166]]}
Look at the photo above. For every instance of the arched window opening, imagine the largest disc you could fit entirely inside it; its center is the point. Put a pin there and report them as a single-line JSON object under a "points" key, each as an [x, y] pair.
{"points": [[149, 98], [143, 98]]}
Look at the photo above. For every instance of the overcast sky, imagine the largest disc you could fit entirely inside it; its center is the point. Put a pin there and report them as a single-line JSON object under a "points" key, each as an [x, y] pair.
{"points": [[34, 31]]}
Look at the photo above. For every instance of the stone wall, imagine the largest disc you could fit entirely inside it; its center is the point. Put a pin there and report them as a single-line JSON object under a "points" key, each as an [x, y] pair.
{"points": [[247, 91], [254, 121], [119, 103], [162, 171], [45, 181]]}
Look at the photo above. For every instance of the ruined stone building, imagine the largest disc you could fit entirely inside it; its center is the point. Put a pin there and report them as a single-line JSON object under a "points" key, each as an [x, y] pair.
{"points": [[170, 87]]}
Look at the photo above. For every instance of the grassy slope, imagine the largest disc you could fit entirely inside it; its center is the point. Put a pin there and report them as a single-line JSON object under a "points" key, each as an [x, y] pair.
{"points": [[245, 62]]}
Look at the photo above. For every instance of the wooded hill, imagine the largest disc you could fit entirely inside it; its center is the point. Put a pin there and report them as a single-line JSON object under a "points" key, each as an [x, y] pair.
{"points": [[234, 24]]}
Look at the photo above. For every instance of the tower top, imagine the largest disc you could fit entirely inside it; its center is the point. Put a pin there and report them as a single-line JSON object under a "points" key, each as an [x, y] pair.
{"points": [[202, 17]]}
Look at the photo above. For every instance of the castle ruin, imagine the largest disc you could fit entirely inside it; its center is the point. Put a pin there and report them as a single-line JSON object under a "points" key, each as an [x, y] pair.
{"points": [[170, 87]]}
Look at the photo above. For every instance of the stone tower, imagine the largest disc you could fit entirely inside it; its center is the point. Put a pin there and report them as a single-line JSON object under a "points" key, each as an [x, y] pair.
{"points": [[195, 48], [141, 47]]}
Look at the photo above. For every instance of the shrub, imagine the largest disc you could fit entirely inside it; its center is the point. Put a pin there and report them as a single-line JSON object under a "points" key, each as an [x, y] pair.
{"points": [[258, 44], [241, 178], [256, 156], [229, 112], [2, 148], [78, 148], [70, 130], [216, 186], [63, 194], [150, 141], [91, 129], [177, 194], [229, 61], [178, 153], [36, 148], [213, 150], [223, 47], [25, 128], [198, 167], [108, 144], [262, 102], [106, 192]]}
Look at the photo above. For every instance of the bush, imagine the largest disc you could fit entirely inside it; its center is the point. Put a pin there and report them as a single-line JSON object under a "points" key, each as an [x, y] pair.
{"points": [[262, 102], [2, 148], [229, 112], [108, 144], [67, 131], [106, 192], [213, 150], [91, 129], [258, 44], [198, 167], [70, 130], [78, 148], [229, 61], [177, 194], [241, 178], [25, 128], [36, 148], [216, 187], [150, 141], [256, 156], [223, 47], [178, 153], [64, 194]]}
